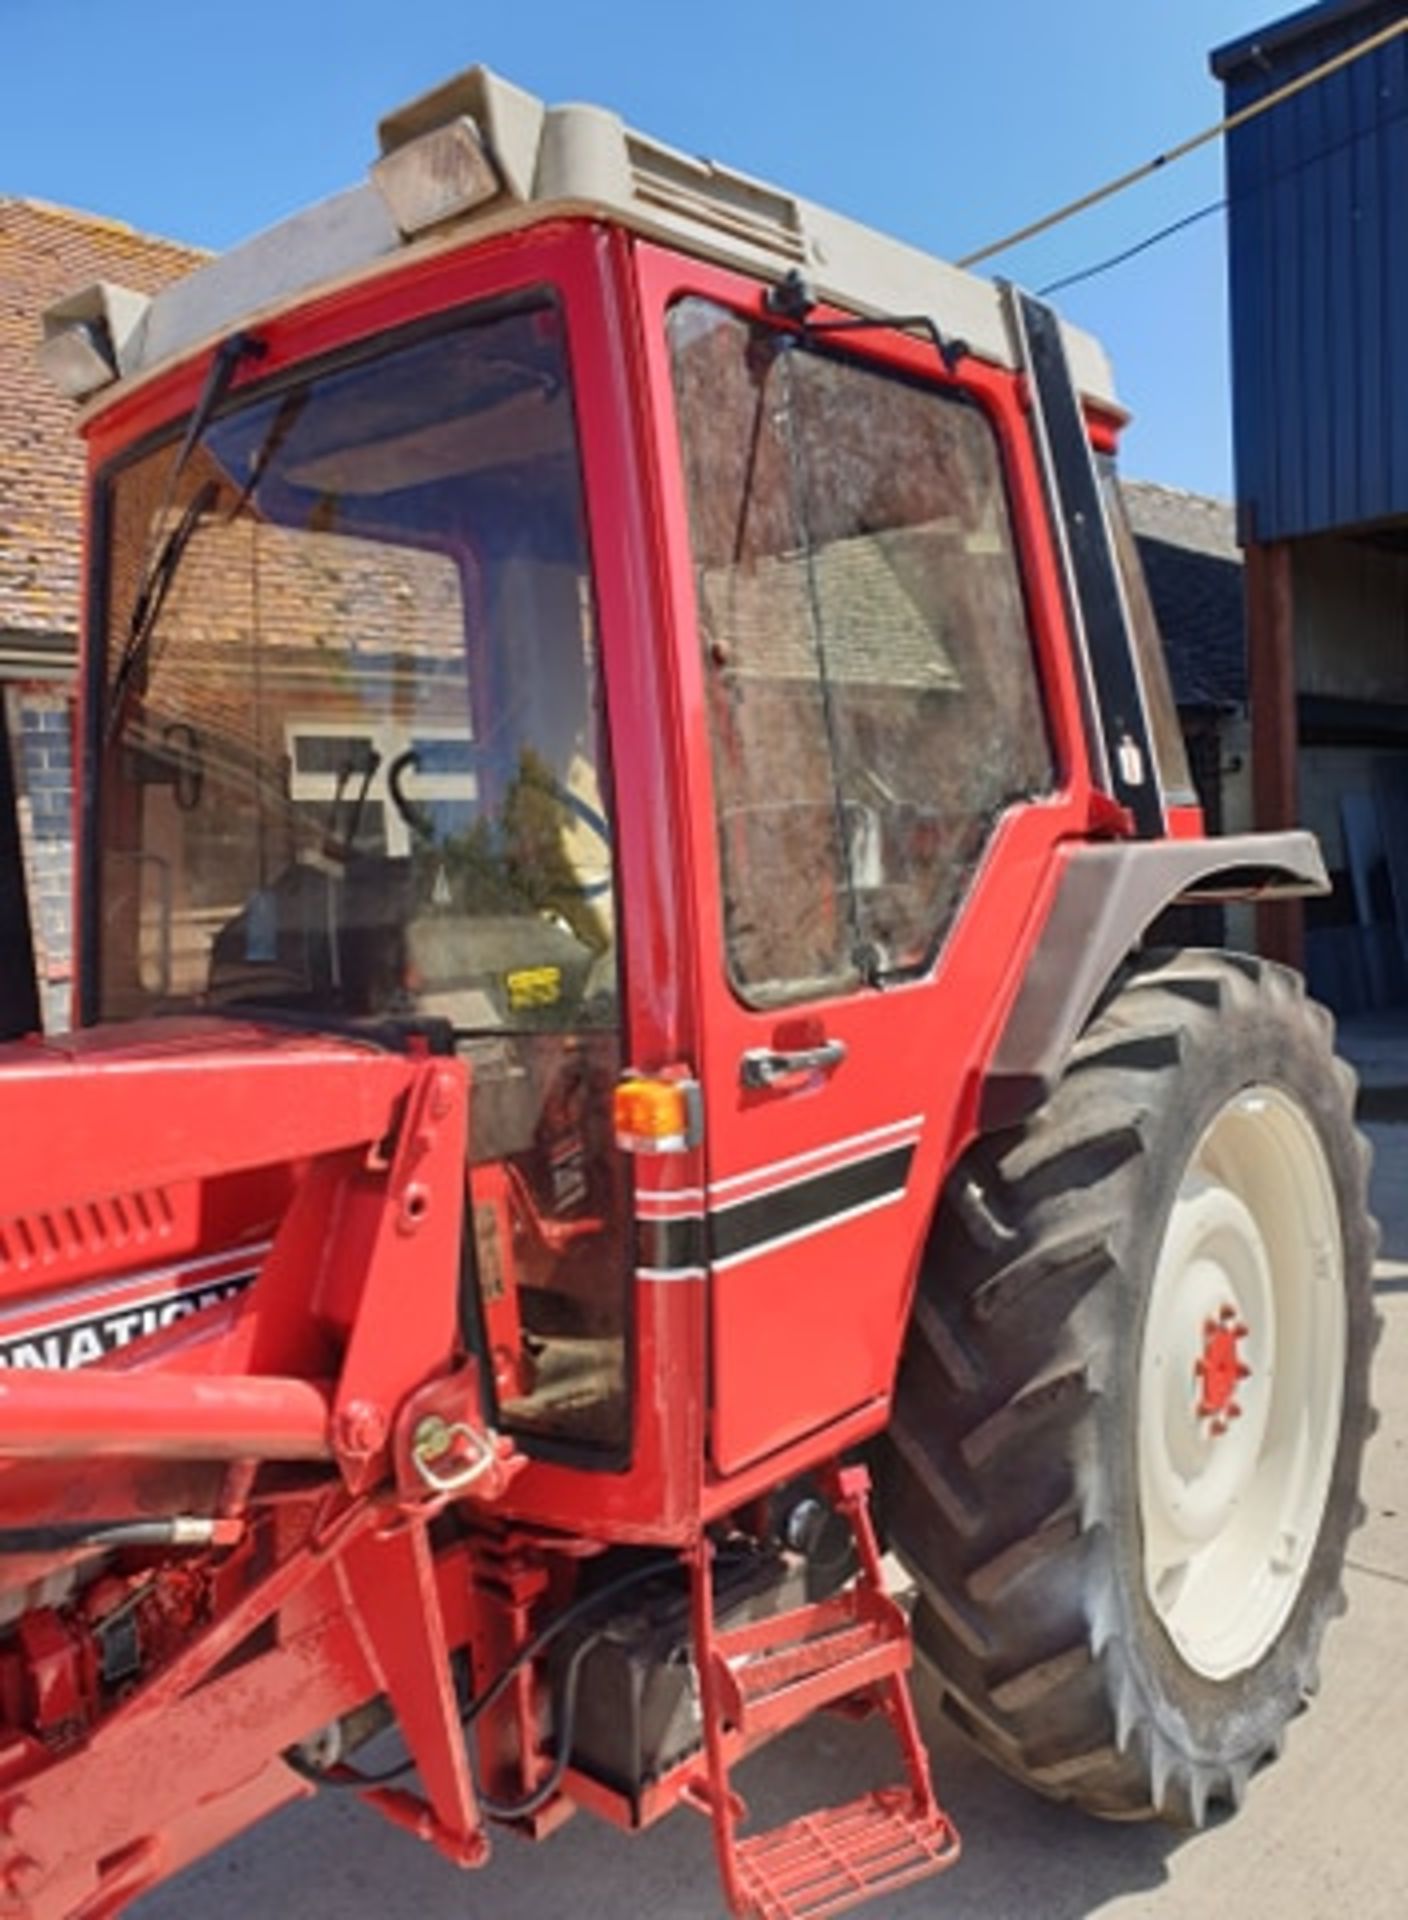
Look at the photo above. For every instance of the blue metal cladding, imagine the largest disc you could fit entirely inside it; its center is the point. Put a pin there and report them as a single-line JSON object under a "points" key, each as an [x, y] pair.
{"points": [[1318, 274]]}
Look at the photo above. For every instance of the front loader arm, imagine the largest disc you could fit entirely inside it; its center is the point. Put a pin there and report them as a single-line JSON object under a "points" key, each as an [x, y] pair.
{"points": [[305, 1585]]}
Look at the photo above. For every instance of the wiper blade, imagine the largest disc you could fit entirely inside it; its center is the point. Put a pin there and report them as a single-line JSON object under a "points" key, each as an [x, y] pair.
{"points": [[158, 574], [146, 609]]}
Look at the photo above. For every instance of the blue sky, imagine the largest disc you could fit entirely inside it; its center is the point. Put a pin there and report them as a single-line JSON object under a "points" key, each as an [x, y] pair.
{"points": [[947, 122]]}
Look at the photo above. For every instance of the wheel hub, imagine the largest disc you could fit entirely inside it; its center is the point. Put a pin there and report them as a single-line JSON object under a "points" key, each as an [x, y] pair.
{"points": [[1220, 1370]]}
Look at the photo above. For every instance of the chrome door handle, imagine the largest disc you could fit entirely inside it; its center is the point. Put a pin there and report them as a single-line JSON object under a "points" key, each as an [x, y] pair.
{"points": [[762, 1067]]}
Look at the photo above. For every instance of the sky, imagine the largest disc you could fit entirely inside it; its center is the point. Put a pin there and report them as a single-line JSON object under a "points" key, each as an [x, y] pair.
{"points": [[946, 122]]}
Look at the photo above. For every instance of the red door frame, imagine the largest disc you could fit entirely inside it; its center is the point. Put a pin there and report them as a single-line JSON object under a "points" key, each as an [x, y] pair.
{"points": [[808, 1331]]}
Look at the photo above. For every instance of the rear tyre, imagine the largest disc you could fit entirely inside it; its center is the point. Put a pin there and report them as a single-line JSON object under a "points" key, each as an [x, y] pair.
{"points": [[1124, 1459]]}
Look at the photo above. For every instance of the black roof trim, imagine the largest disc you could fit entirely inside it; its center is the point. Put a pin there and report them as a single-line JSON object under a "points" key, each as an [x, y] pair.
{"points": [[1261, 48]]}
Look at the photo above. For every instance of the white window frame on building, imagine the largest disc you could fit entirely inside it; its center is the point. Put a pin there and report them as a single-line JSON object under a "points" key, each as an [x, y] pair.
{"points": [[388, 740]]}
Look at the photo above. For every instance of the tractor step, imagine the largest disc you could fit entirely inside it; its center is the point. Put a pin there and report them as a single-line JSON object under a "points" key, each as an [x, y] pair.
{"points": [[757, 1679], [825, 1862], [775, 1672]]}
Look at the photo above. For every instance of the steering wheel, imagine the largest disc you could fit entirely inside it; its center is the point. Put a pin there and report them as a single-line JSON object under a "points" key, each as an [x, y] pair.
{"points": [[416, 818], [422, 827]]}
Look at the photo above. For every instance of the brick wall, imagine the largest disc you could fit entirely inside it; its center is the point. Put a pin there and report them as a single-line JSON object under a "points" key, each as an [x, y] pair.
{"points": [[46, 252]]}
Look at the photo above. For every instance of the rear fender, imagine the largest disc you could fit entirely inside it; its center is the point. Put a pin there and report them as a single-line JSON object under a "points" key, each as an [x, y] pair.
{"points": [[1106, 898]]}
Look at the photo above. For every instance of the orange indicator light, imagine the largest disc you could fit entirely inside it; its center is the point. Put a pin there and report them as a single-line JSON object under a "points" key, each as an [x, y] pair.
{"points": [[655, 1116]]}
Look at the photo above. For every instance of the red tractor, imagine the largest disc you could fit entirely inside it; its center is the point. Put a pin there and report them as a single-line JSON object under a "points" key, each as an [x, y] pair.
{"points": [[628, 778]]}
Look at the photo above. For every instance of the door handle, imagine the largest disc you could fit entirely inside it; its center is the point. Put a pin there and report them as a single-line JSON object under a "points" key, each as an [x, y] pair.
{"points": [[763, 1067]]}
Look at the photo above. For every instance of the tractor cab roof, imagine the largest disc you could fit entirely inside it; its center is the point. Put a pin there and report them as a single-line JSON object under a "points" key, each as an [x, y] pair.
{"points": [[478, 156]]}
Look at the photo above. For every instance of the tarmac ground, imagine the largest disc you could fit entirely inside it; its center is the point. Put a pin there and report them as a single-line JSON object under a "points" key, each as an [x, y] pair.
{"points": [[1324, 1833]]}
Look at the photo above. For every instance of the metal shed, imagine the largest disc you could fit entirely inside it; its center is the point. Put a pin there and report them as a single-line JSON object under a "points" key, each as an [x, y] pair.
{"points": [[1318, 255], [1317, 188]]}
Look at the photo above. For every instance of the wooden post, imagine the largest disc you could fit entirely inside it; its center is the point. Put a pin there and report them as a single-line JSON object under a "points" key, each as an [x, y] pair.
{"points": [[1271, 677]]}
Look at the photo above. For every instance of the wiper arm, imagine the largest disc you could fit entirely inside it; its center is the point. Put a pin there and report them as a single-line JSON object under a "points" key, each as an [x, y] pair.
{"points": [[280, 427], [158, 575], [146, 609]]}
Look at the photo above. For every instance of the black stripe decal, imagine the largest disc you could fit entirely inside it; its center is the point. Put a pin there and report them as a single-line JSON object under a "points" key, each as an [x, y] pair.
{"points": [[771, 1216], [667, 1246], [1094, 572]]}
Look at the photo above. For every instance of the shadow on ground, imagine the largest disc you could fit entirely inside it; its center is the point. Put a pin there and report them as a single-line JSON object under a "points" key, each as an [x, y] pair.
{"points": [[1022, 1858]]}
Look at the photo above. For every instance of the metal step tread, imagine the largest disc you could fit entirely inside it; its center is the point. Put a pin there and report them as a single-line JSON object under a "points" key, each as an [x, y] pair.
{"points": [[825, 1862], [773, 1672]]}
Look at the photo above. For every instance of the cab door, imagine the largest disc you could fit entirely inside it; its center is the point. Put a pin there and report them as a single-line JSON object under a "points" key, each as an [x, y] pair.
{"points": [[866, 733]]}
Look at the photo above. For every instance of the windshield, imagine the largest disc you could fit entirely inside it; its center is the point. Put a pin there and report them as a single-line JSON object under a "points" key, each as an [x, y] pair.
{"points": [[351, 754]]}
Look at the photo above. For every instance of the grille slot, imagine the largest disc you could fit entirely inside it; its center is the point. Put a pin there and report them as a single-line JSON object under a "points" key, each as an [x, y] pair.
{"points": [[60, 1239]]}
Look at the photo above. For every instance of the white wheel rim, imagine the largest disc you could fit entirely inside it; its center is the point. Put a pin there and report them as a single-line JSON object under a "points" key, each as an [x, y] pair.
{"points": [[1234, 1469]]}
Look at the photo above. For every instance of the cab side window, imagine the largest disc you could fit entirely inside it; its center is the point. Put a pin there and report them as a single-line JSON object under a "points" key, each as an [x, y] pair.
{"points": [[786, 918], [872, 686]]}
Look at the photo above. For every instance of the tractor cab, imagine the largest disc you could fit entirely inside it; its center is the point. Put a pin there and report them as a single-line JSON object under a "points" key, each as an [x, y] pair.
{"points": [[577, 637]]}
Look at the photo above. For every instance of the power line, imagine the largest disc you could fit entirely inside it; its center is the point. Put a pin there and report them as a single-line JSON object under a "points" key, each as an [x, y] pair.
{"points": [[1255, 191], [1129, 253], [1190, 145]]}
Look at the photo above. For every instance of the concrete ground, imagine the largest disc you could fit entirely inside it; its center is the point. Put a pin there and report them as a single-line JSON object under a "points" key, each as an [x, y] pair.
{"points": [[1324, 1833]]}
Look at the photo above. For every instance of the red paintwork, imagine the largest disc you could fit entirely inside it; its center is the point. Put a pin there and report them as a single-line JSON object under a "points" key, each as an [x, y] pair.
{"points": [[1104, 429], [1220, 1370], [291, 1409], [908, 1059], [760, 1678], [61, 1416]]}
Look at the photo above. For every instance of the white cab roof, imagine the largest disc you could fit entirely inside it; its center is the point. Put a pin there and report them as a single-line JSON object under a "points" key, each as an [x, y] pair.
{"points": [[581, 160]]}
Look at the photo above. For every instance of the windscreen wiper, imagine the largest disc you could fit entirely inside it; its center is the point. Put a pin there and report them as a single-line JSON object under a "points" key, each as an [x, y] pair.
{"points": [[161, 567], [146, 609]]}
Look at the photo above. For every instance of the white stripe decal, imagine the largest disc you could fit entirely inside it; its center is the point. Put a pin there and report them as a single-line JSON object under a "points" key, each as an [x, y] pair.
{"points": [[763, 1187], [682, 1200], [888, 1136]]}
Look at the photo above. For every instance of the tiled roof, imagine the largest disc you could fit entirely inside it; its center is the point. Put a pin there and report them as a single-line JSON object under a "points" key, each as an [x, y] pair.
{"points": [[878, 623], [45, 253], [1189, 548]]}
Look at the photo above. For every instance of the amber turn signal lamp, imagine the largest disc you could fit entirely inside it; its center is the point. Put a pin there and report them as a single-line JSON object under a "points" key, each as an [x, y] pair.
{"points": [[656, 1115]]}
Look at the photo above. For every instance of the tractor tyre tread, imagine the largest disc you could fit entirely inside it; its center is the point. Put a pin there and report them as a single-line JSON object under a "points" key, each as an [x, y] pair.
{"points": [[992, 1484]]}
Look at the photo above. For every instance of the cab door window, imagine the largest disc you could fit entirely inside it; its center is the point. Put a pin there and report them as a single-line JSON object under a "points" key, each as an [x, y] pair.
{"points": [[787, 926], [872, 684]]}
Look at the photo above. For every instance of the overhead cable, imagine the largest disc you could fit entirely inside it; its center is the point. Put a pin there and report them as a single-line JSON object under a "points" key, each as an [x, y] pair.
{"points": [[1252, 192], [1130, 252], [1190, 145]]}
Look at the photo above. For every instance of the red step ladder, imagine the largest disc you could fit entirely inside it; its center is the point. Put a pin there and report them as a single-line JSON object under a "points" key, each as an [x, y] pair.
{"points": [[853, 1649]]}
